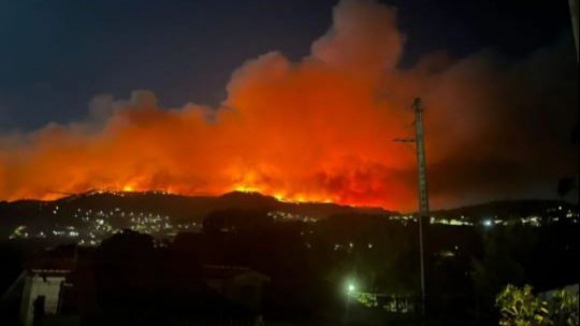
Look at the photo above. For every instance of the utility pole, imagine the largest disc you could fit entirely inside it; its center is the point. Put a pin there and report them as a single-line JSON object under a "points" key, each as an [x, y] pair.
{"points": [[423, 217], [574, 15], [423, 195], [421, 161]]}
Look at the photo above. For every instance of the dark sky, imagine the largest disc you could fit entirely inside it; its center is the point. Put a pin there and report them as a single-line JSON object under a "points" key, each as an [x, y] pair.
{"points": [[499, 76], [56, 55]]}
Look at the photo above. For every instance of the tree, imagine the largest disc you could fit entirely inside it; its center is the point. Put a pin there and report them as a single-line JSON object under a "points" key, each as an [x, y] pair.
{"points": [[505, 261], [520, 307], [564, 307], [236, 221], [126, 274]]}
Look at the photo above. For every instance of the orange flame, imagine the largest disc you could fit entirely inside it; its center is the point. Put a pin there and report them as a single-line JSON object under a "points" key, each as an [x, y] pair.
{"points": [[309, 132], [318, 130]]}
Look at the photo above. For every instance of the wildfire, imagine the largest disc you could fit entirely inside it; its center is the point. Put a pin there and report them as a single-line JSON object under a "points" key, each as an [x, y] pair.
{"points": [[316, 130], [283, 197], [307, 132]]}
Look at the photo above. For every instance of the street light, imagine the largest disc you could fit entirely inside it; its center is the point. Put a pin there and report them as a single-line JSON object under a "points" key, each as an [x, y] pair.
{"points": [[351, 288]]}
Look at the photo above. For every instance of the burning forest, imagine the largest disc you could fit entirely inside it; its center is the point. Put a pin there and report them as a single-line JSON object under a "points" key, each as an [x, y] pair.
{"points": [[322, 128]]}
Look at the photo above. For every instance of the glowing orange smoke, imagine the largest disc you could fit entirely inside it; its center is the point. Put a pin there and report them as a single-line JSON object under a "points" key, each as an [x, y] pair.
{"points": [[316, 130], [311, 131]]}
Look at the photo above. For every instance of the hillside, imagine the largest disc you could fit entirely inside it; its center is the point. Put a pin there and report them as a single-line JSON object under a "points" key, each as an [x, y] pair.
{"points": [[180, 209]]}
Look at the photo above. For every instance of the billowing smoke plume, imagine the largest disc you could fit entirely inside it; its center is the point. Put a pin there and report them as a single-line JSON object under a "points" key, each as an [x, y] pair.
{"points": [[321, 129]]}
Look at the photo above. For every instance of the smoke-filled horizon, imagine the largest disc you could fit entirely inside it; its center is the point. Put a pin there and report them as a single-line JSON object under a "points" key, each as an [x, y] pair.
{"points": [[321, 129]]}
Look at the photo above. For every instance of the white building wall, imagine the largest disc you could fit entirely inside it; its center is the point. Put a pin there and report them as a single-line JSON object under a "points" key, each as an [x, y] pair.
{"points": [[36, 286]]}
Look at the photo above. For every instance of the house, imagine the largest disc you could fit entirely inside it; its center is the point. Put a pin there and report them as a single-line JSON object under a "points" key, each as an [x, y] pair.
{"points": [[37, 294], [57, 289], [240, 285], [44, 284]]}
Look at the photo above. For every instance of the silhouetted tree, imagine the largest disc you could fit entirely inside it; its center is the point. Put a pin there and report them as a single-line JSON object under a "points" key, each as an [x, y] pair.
{"points": [[236, 221], [507, 252], [127, 271]]}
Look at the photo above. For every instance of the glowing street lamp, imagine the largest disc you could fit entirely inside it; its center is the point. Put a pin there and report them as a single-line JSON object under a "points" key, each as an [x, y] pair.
{"points": [[350, 295], [351, 288]]}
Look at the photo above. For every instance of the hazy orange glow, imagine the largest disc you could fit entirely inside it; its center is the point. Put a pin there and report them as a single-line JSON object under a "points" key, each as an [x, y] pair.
{"points": [[316, 130]]}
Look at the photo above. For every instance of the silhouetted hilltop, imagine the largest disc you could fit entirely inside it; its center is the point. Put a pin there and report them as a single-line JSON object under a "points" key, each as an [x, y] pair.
{"points": [[193, 209], [179, 208], [509, 209]]}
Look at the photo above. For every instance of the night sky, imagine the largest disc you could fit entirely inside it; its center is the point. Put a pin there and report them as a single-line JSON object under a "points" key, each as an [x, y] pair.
{"points": [[280, 97], [56, 55]]}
